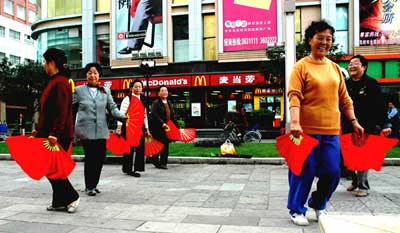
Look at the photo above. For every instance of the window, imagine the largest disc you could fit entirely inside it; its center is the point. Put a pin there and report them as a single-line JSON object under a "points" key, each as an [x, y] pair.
{"points": [[342, 29], [179, 1], [21, 12], [298, 25], [209, 46], [9, 7], [103, 5], [181, 38], [2, 31], [15, 35], [63, 7], [32, 16], [2, 56], [28, 61], [103, 44], [28, 39], [32, 1], [15, 60]]}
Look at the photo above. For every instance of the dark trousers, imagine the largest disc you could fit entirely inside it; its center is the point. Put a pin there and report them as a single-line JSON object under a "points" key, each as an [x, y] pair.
{"points": [[162, 157], [360, 180], [63, 192], [134, 159], [95, 154]]}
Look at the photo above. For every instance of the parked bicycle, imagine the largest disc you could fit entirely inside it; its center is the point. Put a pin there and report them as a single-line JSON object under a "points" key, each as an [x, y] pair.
{"points": [[232, 132]]}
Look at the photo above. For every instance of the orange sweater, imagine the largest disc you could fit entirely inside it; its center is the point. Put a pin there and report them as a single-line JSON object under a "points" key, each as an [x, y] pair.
{"points": [[319, 89]]}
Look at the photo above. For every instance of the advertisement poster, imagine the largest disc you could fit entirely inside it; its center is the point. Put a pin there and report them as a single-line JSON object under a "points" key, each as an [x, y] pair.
{"points": [[196, 109], [249, 24], [379, 22], [137, 26], [231, 105]]}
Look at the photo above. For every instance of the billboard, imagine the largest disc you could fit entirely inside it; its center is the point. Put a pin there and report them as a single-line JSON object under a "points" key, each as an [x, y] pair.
{"points": [[137, 26], [379, 22], [249, 24]]}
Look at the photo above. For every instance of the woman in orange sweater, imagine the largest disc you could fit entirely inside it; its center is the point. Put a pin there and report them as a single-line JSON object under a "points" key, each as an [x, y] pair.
{"points": [[317, 93]]}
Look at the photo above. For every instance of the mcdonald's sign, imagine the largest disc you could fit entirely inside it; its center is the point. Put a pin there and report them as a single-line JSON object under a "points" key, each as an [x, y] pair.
{"points": [[126, 83], [257, 91], [247, 96], [200, 81], [72, 83]]}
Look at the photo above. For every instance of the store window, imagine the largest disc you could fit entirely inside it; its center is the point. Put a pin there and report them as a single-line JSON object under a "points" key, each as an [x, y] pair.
{"points": [[209, 46], [103, 44], [181, 38], [103, 5], [32, 16], [15, 35], [15, 60], [9, 7], [28, 39], [63, 7], [180, 1], [21, 12], [298, 25], [2, 31], [342, 28], [67, 39]]}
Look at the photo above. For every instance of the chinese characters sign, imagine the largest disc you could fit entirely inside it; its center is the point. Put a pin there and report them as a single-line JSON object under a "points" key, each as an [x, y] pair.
{"points": [[249, 24], [379, 22]]}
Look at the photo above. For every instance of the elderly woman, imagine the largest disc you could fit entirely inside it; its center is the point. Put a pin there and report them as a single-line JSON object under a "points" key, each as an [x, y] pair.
{"points": [[91, 101], [316, 92], [55, 123]]}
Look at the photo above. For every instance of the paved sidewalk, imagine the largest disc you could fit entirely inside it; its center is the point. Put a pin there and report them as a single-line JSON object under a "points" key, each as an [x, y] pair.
{"points": [[193, 198]]}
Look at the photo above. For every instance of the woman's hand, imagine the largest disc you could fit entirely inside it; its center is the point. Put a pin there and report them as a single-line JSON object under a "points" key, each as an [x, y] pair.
{"points": [[295, 129], [118, 130], [386, 131], [358, 129], [33, 134], [52, 140], [147, 132]]}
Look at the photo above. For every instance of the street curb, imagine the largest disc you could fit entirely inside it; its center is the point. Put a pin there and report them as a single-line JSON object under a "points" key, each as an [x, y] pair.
{"points": [[211, 160]]}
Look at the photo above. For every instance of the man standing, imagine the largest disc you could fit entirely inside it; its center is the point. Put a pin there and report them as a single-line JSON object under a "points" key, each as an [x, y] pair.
{"points": [[369, 107]]}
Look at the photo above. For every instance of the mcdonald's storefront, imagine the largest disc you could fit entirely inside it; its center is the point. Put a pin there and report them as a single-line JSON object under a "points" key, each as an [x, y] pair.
{"points": [[210, 100]]}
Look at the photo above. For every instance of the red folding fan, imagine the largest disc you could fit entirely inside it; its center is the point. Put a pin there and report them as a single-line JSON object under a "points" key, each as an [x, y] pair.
{"points": [[295, 150], [135, 121], [117, 145], [37, 158], [366, 152], [152, 146], [182, 135]]}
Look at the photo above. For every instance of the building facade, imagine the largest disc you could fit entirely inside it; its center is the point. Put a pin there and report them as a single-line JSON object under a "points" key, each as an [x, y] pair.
{"points": [[16, 18], [210, 53]]}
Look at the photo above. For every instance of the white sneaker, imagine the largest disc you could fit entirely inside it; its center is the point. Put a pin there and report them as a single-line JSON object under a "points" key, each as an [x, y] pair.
{"points": [[299, 219], [71, 208], [318, 213]]}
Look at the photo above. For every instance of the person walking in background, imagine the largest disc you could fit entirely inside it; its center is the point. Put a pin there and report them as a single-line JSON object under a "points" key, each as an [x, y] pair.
{"points": [[316, 92], [56, 123], [90, 103], [369, 107], [161, 113], [135, 158], [21, 124], [393, 117]]}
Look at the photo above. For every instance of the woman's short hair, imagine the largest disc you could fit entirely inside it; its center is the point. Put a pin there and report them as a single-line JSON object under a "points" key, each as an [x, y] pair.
{"points": [[95, 65], [315, 27], [135, 81], [59, 58]]}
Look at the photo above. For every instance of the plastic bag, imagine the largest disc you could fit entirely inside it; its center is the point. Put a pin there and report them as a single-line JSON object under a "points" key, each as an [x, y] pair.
{"points": [[227, 148]]}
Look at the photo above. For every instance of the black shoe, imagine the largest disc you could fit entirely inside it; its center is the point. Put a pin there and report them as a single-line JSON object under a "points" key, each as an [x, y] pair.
{"points": [[134, 174], [97, 190], [162, 167], [90, 192], [126, 50], [58, 208], [154, 162]]}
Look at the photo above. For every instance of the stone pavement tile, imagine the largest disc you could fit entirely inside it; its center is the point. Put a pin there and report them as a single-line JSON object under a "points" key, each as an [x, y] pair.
{"points": [[239, 176], [2, 222], [283, 222], [63, 218], [33, 227], [222, 220], [252, 206], [247, 198], [100, 230], [232, 187], [140, 216], [251, 229], [151, 209], [162, 199], [207, 187], [189, 203], [199, 211], [6, 213], [256, 186], [25, 208], [195, 197], [178, 227]]}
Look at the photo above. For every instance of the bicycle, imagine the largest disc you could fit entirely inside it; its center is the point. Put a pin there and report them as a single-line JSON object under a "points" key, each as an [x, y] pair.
{"points": [[230, 132], [253, 135]]}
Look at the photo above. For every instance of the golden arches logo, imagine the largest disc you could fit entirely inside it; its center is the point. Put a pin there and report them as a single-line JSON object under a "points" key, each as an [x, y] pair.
{"points": [[126, 83], [246, 96], [257, 91], [200, 80], [72, 83]]}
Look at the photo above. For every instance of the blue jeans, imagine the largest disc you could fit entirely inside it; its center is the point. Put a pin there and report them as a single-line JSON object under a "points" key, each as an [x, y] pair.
{"points": [[323, 162]]}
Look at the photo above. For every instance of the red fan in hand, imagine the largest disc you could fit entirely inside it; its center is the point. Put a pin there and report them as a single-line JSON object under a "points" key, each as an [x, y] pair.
{"points": [[135, 121], [37, 158], [117, 144], [366, 152], [182, 135], [295, 150], [152, 146]]}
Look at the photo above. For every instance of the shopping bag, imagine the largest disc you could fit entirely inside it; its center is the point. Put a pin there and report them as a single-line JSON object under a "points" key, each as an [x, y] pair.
{"points": [[227, 148]]}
